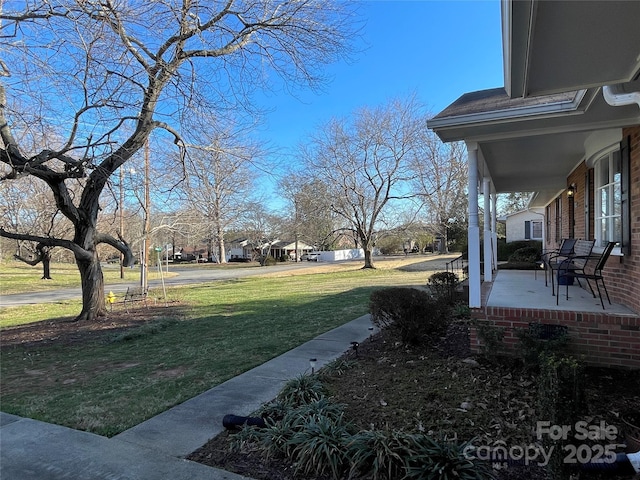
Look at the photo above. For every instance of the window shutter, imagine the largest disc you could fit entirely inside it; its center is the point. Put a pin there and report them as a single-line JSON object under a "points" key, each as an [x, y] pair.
{"points": [[527, 230], [625, 197]]}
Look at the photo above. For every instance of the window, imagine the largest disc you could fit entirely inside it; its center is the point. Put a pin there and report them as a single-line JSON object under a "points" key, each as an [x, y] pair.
{"points": [[608, 199], [536, 229], [533, 230]]}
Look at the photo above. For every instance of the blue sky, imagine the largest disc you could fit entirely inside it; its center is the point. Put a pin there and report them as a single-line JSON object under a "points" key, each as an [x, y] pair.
{"points": [[435, 49]]}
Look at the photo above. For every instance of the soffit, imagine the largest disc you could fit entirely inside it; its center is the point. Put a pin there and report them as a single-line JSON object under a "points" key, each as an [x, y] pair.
{"points": [[559, 46]]}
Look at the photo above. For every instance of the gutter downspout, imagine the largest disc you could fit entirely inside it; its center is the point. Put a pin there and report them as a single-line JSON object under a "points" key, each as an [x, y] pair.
{"points": [[615, 97]]}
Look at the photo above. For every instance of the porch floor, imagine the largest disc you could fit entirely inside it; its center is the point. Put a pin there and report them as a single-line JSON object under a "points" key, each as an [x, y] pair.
{"points": [[526, 289]]}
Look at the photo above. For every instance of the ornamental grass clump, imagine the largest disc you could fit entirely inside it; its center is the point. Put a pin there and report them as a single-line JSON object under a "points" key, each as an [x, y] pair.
{"points": [[319, 446], [379, 454], [443, 460], [301, 390]]}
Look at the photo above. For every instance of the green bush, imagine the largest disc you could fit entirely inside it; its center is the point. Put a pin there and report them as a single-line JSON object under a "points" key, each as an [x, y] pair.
{"points": [[505, 250], [413, 313], [535, 343], [442, 286], [526, 254], [561, 397], [492, 337], [269, 261]]}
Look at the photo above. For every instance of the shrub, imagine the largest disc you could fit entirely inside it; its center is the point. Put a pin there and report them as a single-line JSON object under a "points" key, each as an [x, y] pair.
{"points": [[539, 340], [505, 250], [561, 398], [442, 286], [492, 337], [268, 261], [414, 313], [526, 254]]}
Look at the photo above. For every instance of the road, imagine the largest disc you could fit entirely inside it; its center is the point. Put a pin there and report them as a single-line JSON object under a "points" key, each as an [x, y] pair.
{"points": [[186, 276]]}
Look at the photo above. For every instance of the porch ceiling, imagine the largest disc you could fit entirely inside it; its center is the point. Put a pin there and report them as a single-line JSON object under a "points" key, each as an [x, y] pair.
{"points": [[530, 145], [564, 45], [528, 164]]}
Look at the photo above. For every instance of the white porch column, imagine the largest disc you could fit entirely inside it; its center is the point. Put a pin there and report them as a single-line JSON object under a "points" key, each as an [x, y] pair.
{"points": [[475, 292], [494, 228], [487, 236]]}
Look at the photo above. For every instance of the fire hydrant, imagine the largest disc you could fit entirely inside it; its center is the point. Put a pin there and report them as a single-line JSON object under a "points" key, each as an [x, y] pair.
{"points": [[111, 298]]}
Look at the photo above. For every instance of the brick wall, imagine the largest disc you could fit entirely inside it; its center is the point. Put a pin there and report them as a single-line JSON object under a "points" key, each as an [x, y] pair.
{"points": [[597, 338], [622, 274]]}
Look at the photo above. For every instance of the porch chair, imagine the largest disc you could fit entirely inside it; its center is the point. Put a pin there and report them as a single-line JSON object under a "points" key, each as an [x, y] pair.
{"points": [[554, 256], [594, 266], [575, 260]]}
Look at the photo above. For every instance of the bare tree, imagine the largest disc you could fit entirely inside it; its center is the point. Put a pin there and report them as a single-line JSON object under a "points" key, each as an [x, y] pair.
{"points": [[513, 202], [105, 75], [440, 181], [221, 171], [262, 229], [364, 164], [26, 205], [309, 215]]}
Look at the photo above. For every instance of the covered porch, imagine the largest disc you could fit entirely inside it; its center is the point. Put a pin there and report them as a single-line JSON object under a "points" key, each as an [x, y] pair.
{"points": [[514, 299], [526, 289]]}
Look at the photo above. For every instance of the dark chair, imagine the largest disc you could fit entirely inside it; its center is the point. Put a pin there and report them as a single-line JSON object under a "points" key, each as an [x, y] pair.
{"points": [[592, 270], [577, 259], [554, 256]]}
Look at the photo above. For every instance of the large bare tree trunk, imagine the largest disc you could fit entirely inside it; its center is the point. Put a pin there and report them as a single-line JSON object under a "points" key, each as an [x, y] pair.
{"points": [[46, 266], [221, 249], [93, 303], [368, 260]]}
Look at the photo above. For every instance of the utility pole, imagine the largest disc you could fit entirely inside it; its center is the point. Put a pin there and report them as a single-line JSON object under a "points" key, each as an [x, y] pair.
{"points": [[121, 218], [144, 260]]}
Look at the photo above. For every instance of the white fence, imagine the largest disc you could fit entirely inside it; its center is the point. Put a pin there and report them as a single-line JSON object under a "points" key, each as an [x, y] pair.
{"points": [[337, 255]]}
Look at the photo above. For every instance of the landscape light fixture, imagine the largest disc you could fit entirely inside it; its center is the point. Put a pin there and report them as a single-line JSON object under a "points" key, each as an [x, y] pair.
{"points": [[355, 346], [312, 363], [571, 191]]}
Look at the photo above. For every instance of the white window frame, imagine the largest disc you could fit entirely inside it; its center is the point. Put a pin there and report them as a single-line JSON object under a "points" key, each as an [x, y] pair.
{"points": [[533, 236], [611, 186]]}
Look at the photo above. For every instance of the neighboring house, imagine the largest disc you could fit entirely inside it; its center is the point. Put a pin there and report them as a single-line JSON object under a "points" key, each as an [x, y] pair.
{"points": [[566, 126], [281, 248], [524, 225], [239, 248], [243, 248]]}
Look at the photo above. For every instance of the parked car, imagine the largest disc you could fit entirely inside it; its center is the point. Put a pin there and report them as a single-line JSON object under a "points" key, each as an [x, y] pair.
{"points": [[311, 257]]}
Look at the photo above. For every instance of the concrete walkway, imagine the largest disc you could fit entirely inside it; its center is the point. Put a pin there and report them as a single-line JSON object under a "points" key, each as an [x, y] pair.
{"points": [[155, 449]]}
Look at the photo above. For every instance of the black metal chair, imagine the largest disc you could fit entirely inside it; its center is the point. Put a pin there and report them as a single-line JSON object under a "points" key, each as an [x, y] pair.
{"points": [[592, 270], [554, 256], [581, 250]]}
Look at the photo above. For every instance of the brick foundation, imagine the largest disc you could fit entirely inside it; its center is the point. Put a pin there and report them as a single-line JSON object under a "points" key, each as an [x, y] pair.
{"points": [[597, 338]]}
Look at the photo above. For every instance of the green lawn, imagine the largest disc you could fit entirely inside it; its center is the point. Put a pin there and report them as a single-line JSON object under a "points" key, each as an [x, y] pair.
{"points": [[18, 277], [223, 329]]}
